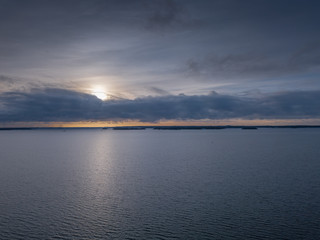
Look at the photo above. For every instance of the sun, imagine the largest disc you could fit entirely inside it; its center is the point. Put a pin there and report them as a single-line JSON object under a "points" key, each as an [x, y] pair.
{"points": [[99, 93]]}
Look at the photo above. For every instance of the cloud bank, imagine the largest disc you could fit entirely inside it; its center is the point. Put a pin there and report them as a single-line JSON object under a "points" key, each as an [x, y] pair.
{"points": [[59, 105]]}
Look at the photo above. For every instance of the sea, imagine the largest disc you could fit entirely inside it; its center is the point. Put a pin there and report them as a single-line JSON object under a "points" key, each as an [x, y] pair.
{"points": [[160, 184]]}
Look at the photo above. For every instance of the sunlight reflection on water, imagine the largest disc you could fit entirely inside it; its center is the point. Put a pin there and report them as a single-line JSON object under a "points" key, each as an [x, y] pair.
{"points": [[206, 184]]}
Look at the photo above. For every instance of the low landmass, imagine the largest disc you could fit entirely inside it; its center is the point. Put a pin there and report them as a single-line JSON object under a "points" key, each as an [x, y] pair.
{"points": [[158, 127], [213, 127], [129, 128]]}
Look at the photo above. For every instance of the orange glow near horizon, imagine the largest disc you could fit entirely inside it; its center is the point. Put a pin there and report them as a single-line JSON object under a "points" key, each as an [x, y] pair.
{"points": [[232, 122]]}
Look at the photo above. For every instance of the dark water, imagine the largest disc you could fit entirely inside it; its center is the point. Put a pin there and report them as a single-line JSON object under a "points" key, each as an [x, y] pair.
{"points": [[187, 184]]}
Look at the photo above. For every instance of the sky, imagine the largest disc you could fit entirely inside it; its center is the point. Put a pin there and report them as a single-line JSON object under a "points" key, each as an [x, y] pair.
{"points": [[159, 62]]}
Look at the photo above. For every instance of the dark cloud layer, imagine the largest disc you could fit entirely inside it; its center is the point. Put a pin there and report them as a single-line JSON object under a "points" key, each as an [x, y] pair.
{"points": [[50, 105]]}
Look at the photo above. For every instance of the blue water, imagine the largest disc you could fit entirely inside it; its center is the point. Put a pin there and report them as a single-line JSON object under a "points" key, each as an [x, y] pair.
{"points": [[151, 184]]}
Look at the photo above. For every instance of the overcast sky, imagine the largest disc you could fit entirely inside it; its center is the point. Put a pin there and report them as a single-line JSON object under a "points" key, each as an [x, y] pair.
{"points": [[159, 60]]}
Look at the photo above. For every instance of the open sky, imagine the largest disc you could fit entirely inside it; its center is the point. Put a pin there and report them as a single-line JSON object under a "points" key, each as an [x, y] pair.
{"points": [[127, 62]]}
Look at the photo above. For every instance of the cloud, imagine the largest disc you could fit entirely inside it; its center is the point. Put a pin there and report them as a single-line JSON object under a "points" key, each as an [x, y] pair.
{"points": [[6, 80], [158, 91], [254, 65], [307, 57], [164, 14], [50, 105]]}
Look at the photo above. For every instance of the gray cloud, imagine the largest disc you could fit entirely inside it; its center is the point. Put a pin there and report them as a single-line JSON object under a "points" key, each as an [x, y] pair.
{"points": [[165, 14], [9, 82], [159, 91], [253, 65], [6, 79], [51, 105]]}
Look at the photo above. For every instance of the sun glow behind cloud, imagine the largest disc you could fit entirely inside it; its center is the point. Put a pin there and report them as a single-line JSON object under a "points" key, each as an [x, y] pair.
{"points": [[100, 93]]}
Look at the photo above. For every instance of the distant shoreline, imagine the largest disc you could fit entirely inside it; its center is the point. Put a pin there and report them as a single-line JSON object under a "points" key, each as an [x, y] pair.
{"points": [[160, 127]]}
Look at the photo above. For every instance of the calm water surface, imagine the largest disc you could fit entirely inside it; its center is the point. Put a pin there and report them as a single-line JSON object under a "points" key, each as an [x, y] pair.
{"points": [[187, 184]]}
